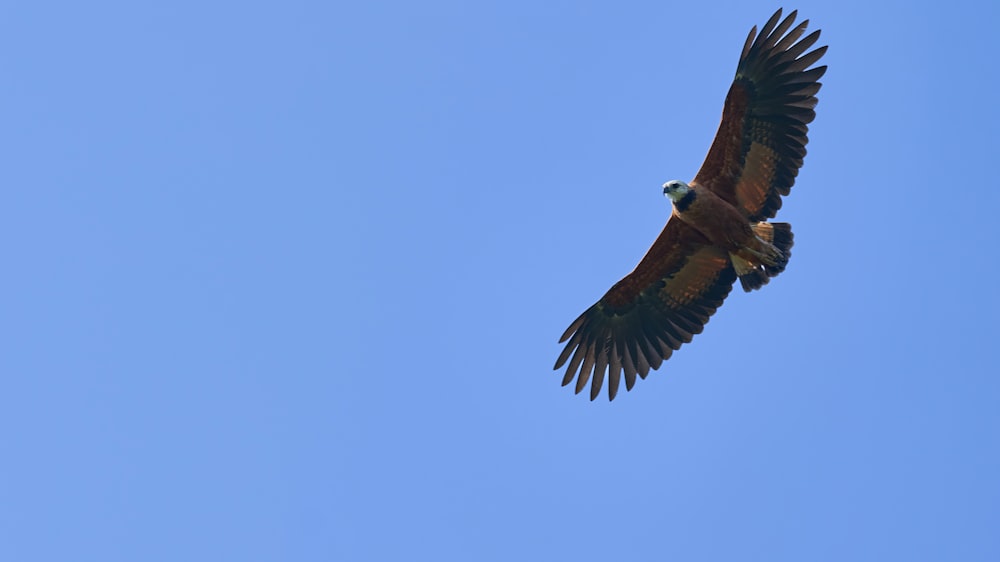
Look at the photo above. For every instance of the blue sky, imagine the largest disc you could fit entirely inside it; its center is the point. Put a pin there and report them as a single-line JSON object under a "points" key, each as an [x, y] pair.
{"points": [[283, 281]]}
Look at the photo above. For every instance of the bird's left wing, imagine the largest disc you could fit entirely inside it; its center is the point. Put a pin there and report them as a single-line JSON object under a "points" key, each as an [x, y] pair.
{"points": [[650, 313], [762, 138]]}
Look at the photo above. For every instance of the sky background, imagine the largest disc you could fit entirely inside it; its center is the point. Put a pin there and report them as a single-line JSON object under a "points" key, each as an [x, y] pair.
{"points": [[283, 281]]}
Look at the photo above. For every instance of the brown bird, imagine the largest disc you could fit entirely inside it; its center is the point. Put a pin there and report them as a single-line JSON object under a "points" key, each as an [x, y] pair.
{"points": [[717, 230]]}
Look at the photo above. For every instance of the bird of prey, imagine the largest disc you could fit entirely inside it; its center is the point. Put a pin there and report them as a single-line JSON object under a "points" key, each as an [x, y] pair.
{"points": [[718, 230]]}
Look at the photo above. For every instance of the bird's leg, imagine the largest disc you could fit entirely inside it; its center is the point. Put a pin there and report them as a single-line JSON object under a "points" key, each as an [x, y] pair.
{"points": [[762, 252]]}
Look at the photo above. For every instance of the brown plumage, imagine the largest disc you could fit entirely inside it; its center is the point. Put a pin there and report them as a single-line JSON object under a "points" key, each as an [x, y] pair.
{"points": [[716, 232]]}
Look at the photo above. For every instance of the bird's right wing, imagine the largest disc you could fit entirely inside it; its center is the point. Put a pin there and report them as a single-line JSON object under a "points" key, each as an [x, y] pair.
{"points": [[650, 313]]}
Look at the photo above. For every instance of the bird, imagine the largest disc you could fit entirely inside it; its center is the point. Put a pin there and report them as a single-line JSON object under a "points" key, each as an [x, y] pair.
{"points": [[718, 230]]}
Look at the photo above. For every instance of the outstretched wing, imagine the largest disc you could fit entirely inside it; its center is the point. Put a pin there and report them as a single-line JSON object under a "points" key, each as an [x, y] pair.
{"points": [[650, 313], [761, 141]]}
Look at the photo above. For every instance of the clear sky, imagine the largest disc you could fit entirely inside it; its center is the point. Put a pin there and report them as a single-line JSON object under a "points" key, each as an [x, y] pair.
{"points": [[283, 281]]}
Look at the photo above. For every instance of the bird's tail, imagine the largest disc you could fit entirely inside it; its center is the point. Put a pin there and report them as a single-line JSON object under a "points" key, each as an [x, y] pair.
{"points": [[756, 266]]}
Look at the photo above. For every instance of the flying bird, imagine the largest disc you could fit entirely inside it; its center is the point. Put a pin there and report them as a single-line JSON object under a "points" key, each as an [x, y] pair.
{"points": [[718, 230]]}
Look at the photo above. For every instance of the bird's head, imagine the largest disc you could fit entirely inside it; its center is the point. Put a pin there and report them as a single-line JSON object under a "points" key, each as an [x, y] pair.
{"points": [[676, 190]]}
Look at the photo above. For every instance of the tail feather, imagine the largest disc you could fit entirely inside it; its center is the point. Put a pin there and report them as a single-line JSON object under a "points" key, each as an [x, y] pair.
{"points": [[782, 239], [754, 273]]}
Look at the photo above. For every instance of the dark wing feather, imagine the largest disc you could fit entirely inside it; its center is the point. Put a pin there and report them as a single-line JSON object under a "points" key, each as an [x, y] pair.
{"points": [[650, 313], [761, 141]]}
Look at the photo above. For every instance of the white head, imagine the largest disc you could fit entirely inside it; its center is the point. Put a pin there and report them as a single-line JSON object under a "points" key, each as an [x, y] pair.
{"points": [[675, 190]]}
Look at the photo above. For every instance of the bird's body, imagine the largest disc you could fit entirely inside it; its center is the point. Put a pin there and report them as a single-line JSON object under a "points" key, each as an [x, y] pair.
{"points": [[723, 225], [718, 230], [750, 245]]}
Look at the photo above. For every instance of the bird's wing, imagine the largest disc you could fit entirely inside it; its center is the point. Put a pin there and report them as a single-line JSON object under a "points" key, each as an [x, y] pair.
{"points": [[761, 141], [643, 318]]}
